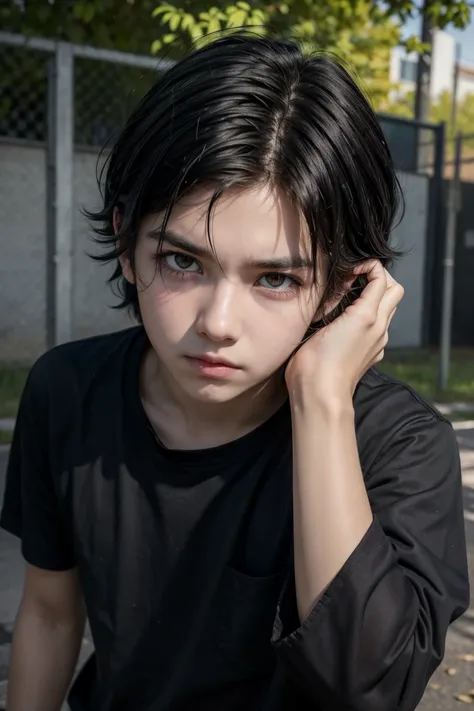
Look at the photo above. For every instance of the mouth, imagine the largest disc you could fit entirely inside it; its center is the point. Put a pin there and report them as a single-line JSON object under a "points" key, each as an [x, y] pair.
{"points": [[212, 365]]}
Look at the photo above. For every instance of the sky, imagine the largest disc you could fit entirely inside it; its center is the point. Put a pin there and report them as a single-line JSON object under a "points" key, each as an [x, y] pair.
{"points": [[465, 37]]}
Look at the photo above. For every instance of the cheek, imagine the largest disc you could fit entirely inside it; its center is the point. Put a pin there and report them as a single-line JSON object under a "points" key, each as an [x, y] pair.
{"points": [[169, 314], [279, 334]]}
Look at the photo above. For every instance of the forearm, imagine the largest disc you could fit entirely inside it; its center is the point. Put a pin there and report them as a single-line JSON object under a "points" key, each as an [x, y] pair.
{"points": [[43, 659], [331, 508]]}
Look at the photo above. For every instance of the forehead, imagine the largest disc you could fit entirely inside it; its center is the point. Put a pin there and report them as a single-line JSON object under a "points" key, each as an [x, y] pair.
{"points": [[260, 222]]}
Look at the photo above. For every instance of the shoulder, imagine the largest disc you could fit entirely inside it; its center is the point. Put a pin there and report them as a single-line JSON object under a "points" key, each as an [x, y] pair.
{"points": [[388, 411], [69, 370]]}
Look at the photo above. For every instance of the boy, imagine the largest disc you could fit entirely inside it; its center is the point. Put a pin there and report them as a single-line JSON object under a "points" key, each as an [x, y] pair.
{"points": [[252, 517]]}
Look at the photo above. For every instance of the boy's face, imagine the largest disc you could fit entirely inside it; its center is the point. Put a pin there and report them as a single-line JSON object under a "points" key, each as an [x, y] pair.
{"points": [[246, 303]]}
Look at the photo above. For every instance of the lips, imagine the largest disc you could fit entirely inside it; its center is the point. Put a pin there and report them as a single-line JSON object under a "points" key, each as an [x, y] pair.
{"points": [[213, 361]]}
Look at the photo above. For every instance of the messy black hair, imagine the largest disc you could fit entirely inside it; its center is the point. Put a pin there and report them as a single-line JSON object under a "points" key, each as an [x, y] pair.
{"points": [[243, 111]]}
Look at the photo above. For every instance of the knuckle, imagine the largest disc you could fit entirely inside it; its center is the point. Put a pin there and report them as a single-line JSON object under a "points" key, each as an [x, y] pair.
{"points": [[368, 316]]}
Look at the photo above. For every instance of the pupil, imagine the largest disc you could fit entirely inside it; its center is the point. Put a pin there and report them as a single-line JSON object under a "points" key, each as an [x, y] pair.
{"points": [[183, 261], [275, 279]]}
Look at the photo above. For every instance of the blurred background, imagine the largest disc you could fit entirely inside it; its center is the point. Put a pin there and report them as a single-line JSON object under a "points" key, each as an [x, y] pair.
{"points": [[72, 70], [70, 73]]}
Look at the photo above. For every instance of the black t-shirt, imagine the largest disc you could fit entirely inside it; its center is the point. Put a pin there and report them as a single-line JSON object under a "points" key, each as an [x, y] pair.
{"points": [[185, 557]]}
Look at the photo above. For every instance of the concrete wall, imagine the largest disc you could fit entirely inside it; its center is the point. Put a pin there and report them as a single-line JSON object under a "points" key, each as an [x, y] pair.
{"points": [[410, 236], [23, 257]]}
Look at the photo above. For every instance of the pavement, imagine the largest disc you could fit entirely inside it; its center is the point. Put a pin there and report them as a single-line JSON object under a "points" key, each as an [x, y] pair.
{"points": [[452, 684]]}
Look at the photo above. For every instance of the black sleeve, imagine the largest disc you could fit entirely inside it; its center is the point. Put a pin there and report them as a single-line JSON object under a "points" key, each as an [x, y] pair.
{"points": [[378, 633], [31, 507]]}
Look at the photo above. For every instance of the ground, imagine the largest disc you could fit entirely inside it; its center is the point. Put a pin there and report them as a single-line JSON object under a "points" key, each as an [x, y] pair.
{"points": [[451, 685]]}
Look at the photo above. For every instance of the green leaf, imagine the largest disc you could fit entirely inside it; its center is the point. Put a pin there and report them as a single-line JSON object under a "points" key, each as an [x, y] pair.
{"points": [[156, 47], [168, 39], [77, 10], [214, 25], [166, 17], [174, 22], [237, 18], [89, 13], [414, 44], [187, 22], [196, 32], [161, 9]]}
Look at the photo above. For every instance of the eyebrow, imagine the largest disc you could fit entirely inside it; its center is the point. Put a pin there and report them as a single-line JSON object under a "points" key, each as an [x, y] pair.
{"points": [[176, 240]]}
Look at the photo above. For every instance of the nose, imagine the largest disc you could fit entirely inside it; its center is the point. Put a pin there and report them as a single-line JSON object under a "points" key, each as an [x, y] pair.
{"points": [[217, 317]]}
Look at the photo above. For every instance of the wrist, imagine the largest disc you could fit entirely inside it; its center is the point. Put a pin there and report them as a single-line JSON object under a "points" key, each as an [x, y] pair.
{"points": [[320, 393], [326, 403]]}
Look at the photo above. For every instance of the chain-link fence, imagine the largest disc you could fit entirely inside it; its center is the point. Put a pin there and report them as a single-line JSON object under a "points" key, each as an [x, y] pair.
{"points": [[59, 103], [24, 87], [23, 123], [102, 105], [105, 89]]}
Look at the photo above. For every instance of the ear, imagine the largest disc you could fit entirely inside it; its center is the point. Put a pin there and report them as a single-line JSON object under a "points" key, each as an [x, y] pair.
{"points": [[124, 260]]}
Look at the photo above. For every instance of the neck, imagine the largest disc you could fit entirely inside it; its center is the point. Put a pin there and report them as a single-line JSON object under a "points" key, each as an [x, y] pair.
{"points": [[181, 422]]}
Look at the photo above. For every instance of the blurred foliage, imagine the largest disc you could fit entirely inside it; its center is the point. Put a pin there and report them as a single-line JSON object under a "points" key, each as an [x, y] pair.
{"points": [[315, 21], [115, 24], [403, 104], [440, 111], [419, 368], [360, 32], [125, 24], [12, 382]]}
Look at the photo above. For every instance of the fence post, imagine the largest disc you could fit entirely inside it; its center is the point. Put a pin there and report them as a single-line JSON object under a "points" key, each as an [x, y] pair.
{"points": [[60, 165], [454, 200], [434, 236]]}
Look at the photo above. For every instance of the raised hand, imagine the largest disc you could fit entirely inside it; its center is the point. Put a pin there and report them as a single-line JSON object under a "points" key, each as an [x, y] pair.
{"points": [[332, 361]]}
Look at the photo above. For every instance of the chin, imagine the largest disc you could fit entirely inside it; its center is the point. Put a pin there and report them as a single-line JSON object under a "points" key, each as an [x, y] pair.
{"points": [[209, 393]]}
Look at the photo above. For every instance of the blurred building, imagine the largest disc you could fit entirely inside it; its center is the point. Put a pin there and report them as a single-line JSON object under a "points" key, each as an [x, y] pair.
{"points": [[445, 58]]}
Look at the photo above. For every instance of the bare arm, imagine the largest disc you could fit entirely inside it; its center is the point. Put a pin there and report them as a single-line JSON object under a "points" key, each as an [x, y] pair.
{"points": [[46, 640], [332, 510]]}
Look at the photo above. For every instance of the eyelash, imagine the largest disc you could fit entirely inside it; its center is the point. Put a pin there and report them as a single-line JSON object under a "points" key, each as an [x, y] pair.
{"points": [[160, 257]]}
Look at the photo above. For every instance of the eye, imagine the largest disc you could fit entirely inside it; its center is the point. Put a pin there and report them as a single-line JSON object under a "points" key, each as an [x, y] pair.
{"points": [[277, 281], [181, 262]]}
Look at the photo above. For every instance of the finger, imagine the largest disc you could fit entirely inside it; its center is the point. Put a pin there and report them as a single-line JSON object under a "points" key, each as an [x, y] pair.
{"points": [[379, 357], [373, 293], [391, 317], [390, 280], [391, 299], [367, 267]]}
